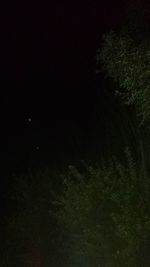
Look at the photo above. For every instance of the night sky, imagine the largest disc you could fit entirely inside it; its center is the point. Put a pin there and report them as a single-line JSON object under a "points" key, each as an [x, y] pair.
{"points": [[56, 39], [53, 104]]}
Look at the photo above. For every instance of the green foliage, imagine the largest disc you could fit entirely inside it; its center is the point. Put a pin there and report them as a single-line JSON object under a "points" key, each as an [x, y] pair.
{"points": [[105, 214], [100, 216], [127, 61]]}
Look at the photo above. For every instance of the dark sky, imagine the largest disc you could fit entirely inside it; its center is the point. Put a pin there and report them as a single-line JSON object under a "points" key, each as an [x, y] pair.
{"points": [[48, 39], [48, 51]]}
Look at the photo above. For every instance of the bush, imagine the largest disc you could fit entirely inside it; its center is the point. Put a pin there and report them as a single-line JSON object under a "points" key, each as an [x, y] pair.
{"points": [[99, 216], [105, 214]]}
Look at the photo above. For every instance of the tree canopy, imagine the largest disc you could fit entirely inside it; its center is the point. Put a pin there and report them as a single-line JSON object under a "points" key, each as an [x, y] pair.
{"points": [[126, 59]]}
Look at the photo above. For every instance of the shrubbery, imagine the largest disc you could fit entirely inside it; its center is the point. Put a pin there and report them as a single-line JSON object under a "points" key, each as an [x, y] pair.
{"points": [[106, 215], [100, 216]]}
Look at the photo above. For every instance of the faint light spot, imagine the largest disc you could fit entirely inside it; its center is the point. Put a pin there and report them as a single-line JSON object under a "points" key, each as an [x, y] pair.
{"points": [[37, 147], [29, 119]]}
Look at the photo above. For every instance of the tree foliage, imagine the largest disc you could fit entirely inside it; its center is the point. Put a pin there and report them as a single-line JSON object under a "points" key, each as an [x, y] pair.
{"points": [[126, 59]]}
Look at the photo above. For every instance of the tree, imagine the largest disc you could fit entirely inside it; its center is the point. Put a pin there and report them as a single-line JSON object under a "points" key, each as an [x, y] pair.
{"points": [[125, 57], [127, 61]]}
